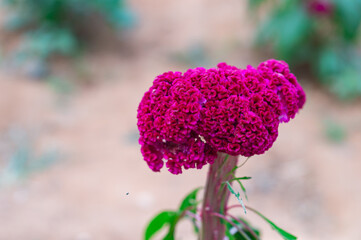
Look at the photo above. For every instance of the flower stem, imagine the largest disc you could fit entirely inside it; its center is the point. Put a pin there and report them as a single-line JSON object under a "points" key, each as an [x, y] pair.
{"points": [[216, 197]]}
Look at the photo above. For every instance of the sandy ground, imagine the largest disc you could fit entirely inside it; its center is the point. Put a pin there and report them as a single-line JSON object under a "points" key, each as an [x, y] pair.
{"points": [[101, 188]]}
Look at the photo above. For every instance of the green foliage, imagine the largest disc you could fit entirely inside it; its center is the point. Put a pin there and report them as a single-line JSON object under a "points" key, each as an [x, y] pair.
{"points": [[190, 201], [238, 179], [287, 29], [157, 223], [334, 131], [340, 68], [243, 188], [324, 38], [348, 17], [46, 41], [237, 195], [236, 228], [61, 13], [283, 233], [255, 3], [171, 218], [24, 162], [234, 234], [232, 172], [51, 27]]}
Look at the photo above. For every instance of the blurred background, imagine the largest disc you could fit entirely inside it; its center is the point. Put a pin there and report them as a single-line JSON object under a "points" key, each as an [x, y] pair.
{"points": [[72, 73]]}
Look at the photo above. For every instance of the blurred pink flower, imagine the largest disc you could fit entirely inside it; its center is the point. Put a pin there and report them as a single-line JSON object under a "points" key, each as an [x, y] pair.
{"points": [[320, 7]]}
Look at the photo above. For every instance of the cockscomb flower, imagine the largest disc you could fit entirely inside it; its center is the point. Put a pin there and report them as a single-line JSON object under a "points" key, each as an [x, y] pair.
{"points": [[185, 119]]}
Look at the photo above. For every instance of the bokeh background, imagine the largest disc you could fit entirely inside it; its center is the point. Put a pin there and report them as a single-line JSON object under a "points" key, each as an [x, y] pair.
{"points": [[72, 73]]}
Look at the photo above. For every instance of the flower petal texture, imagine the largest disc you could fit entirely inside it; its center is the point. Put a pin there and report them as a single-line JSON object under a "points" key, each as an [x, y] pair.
{"points": [[186, 118]]}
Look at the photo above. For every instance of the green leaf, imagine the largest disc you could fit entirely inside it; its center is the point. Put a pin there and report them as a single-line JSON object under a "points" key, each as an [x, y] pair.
{"points": [[348, 16], [171, 218], [160, 221], [231, 189], [243, 189], [232, 171], [241, 185], [190, 201], [237, 195], [283, 233], [294, 29], [340, 68], [347, 83], [235, 234], [329, 63], [286, 30], [240, 178]]}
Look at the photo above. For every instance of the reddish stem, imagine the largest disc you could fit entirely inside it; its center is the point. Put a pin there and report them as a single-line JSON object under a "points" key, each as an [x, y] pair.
{"points": [[239, 205], [216, 197]]}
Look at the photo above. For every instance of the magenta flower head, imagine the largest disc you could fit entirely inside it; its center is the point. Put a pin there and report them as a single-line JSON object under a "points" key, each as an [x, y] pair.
{"points": [[320, 7], [185, 119]]}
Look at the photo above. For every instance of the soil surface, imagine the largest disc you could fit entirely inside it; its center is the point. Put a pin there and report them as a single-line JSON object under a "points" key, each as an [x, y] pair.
{"points": [[100, 188]]}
